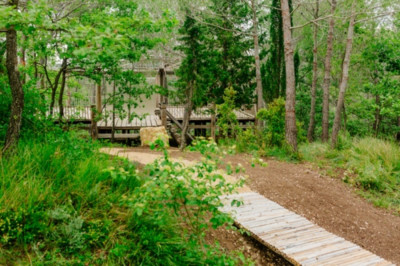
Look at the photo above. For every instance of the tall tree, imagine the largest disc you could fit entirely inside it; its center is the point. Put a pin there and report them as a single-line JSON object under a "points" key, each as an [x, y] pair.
{"points": [[229, 61], [290, 117], [273, 70], [259, 88], [345, 76], [311, 125], [17, 106], [188, 73], [327, 76]]}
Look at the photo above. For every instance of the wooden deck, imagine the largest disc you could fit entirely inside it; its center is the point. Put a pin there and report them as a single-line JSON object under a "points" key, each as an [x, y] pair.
{"points": [[203, 114], [83, 114], [135, 124], [73, 113], [293, 236]]}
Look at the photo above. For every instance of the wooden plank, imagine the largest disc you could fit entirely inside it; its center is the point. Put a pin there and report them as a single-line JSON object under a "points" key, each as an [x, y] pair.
{"points": [[372, 259], [293, 236], [351, 257], [253, 213], [285, 234], [267, 229], [266, 220], [304, 240], [283, 229], [331, 255], [119, 136], [266, 217], [271, 215], [261, 211], [305, 237], [318, 249]]}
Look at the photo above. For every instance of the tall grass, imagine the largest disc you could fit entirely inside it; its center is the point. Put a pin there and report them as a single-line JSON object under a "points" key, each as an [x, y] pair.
{"points": [[63, 202], [372, 164]]}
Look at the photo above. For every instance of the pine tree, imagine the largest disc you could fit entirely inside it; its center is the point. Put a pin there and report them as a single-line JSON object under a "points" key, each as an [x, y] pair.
{"points": [[190, 71], [273, 71], [229, 60]]}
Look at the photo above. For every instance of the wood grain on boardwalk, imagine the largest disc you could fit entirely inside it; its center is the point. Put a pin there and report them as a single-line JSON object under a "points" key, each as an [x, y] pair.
{"points": [[293, 236]]}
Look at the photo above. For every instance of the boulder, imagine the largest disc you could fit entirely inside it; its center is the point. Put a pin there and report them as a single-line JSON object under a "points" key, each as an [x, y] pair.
{"points": [[151, 134]]}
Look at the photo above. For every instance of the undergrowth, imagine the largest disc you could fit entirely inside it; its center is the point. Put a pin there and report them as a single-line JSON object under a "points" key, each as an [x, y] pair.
{"points": [[372, 165], [63, 202]]}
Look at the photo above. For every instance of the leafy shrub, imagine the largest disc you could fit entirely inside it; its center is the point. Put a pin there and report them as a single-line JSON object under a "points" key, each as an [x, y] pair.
{"points": [[249, 141], [274, 118], [227, 120], [274, 128], [62, 202]]}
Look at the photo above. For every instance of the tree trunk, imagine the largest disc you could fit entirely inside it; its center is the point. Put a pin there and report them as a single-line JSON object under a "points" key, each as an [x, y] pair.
{"points": [[291, 129], [344, 118], [327, 76], [259, 88], [186, 116], [98, 98], [113, 116], [23, 60], [398, 124], [61, 96], [345, 77], [55, 85], [17, 105], [213, 121], [311, 126]]}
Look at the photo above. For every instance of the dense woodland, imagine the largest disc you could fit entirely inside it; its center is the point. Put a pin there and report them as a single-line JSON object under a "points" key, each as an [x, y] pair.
{"points": [[323, 77]]}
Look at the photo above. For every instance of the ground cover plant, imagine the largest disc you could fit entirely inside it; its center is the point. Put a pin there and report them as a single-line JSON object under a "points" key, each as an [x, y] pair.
{"points": [[370, 164], [63, 202]]}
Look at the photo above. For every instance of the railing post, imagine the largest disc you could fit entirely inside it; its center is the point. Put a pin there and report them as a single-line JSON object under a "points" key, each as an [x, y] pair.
{"points": [[163, 110], [93, 124], [163, 99], [213, 122]]}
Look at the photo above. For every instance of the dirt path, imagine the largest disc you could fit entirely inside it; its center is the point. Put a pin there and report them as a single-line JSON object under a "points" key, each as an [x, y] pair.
{"points": [[328, 202]]}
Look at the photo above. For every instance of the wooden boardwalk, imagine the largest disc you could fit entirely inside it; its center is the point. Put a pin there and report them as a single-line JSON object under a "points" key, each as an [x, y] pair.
{"points": [[293, 236]]}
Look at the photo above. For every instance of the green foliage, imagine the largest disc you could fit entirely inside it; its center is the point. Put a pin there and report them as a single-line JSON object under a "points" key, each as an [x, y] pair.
{"points": [[63, 202], [274, 119], [371, 164], [227, 120], [192, 71], [215, 57], [273, 70]]}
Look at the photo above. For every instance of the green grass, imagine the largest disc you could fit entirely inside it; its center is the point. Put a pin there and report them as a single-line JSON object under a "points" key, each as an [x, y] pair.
{"points": [[370, 164], [62, 202]]}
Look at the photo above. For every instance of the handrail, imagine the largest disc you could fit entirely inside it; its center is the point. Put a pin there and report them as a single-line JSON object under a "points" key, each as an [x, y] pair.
{"points": [[177, 123]]}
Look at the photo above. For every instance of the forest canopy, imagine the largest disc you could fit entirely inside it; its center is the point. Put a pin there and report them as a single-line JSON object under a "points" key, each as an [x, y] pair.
{"points": [[291, 80]]}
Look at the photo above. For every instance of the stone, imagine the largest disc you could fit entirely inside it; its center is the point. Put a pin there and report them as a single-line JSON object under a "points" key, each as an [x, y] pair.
{"points": [[151, 134]]}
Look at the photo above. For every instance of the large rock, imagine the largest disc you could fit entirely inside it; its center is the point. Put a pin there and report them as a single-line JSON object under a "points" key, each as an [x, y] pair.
{"points": [[151, 134]]}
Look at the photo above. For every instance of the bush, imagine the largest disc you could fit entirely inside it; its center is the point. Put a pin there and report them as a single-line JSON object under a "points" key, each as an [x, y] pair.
{"points": [[227, 120], [63, 202], [274, 120]]}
